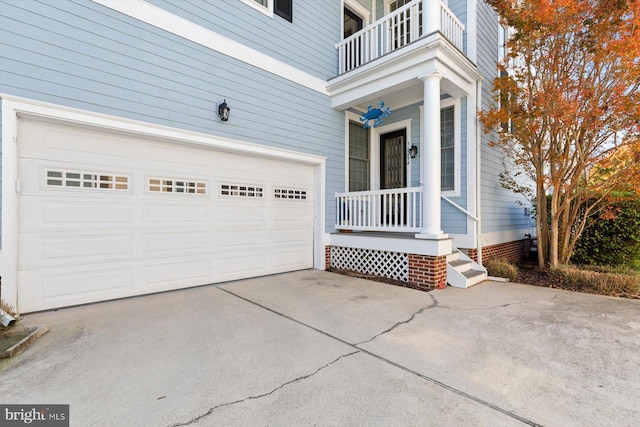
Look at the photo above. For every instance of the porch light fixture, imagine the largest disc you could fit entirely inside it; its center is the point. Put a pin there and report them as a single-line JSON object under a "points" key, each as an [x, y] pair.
{"points": [[223, 111], [413, 151]]}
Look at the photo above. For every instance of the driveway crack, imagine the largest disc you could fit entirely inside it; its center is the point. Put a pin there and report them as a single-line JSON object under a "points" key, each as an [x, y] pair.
{"points": [[434, 304], [509, 304], [258, 396]]}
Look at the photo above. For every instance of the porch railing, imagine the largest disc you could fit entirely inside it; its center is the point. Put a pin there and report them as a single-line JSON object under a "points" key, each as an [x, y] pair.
{"points": [[397, 29], [398, 209]]}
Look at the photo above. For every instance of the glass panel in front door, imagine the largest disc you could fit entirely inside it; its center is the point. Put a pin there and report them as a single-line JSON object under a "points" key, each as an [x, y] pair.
{"points": [[393, 160], [393, 174]]}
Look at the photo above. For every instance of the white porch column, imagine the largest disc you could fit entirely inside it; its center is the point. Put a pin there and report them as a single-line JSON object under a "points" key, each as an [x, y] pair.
{"points": [[430, 159], [431, 15]]}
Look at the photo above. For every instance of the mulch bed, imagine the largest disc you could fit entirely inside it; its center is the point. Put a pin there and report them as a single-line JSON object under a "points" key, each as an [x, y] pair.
{"points": [[529, 274]]}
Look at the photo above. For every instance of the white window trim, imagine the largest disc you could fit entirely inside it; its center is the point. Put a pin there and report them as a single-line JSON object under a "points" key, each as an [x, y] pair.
{"points": [[353, 117], [387, 6], [374, 148], [359, 10], [267, 10], [446, 103]]}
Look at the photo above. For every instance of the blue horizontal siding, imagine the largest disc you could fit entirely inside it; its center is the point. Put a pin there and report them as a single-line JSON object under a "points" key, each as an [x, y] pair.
{"points": [[501, 208], [83, 55], [307, 43], [459, 9]]}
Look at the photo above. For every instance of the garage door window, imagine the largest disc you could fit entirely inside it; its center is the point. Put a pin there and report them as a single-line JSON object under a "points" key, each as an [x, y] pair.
{"points": [[180, 186], [240, 190], [291, 194], [86, 180]]}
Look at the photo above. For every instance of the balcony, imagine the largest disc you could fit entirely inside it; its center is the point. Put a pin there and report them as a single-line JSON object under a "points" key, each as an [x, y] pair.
{"points": [[398, 29]]}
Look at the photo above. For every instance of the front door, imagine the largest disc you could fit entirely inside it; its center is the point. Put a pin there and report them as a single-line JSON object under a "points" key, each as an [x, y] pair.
{"points": [[393, 174]]}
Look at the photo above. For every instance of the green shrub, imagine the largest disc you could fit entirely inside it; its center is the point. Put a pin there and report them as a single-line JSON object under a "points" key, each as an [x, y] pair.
{"points": [[499, 267], [613, 239], [591, 280]]}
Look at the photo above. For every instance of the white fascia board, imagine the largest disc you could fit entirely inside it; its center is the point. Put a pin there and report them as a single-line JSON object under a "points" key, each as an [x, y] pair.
{"points": [[432, 247], [425, 49], [403, 67], [160, 18]]}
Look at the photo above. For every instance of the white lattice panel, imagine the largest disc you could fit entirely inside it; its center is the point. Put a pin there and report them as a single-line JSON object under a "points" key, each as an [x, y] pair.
{"points": [[392, 265]]}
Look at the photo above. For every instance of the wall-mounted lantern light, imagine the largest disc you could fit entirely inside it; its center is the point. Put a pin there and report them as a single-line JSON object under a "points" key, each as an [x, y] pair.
{"points": [[223, 111], [413, 151]]}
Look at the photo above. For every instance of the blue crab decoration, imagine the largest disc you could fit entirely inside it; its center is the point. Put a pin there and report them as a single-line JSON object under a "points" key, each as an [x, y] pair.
{"points": [[375, 114]]}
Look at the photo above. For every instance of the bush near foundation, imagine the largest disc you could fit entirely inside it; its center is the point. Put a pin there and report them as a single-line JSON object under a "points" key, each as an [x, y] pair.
{"points": [[614, 238], [613, 282], [500, 267]]}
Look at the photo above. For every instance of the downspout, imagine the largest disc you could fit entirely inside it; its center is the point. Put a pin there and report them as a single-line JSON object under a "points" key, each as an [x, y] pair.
{"points": [[478, 173], [6, 319]]}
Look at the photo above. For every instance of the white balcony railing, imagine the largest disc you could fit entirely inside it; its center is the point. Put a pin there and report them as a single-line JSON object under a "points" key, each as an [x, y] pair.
{"points": [[398, 209], [396, 30]]}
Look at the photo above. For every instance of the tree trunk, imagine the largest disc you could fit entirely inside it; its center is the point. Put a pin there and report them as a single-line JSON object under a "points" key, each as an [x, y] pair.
{"points": [[541, 226], [554, 235]]}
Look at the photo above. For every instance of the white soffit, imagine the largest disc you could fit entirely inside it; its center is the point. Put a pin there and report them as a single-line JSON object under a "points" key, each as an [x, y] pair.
{"points": [[188, 30]]}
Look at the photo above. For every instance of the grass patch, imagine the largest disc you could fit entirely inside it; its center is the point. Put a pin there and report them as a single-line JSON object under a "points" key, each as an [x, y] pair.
{"points": [[499, 267], [599, 280]]}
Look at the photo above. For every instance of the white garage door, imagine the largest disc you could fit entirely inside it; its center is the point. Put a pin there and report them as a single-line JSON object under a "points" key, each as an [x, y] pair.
{"points": [[108, 215]]}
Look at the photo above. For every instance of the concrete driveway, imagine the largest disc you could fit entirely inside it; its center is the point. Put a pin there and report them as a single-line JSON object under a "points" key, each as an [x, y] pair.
{"points": [[316, 348]]}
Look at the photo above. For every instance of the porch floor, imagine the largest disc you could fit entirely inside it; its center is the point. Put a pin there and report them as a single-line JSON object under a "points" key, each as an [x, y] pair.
{"points": [[385, 234]]}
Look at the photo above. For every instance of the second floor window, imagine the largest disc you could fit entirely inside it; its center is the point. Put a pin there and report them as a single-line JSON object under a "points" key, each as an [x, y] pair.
{"points": [[352, 23], [282, 8]]}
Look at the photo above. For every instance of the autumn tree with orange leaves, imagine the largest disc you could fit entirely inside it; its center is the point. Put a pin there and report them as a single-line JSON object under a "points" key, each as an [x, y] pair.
{"points": [[567, 97]]}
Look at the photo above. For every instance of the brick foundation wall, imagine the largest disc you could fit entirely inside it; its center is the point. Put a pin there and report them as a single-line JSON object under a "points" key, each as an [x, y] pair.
{"points": [[513, 251], [327, 258], [422, 271], [427, 272]]}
